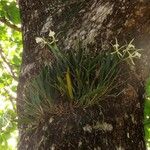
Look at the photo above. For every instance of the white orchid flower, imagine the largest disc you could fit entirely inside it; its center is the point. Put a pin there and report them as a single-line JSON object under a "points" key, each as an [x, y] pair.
{"points": [[51, 33], [40, 41]]}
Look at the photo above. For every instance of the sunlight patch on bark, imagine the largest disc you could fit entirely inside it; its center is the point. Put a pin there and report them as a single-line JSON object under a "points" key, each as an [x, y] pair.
{"points": [[79, 144], [97, 148], [87, 128], [52, 147], [26, 69], [103, 126], [46, 27], [91, 24]]}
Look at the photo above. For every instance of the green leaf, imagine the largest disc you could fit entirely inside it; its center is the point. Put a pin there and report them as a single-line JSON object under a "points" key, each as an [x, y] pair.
{"points": [[16, 60], [12, 12]]}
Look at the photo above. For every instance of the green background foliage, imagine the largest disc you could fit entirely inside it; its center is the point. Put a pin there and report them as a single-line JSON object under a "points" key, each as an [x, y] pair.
{"points": [[147, 113], [9, 10], [10, 61]]}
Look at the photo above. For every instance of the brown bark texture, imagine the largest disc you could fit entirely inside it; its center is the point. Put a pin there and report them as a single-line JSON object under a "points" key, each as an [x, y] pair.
{"points": [[97, 23]]}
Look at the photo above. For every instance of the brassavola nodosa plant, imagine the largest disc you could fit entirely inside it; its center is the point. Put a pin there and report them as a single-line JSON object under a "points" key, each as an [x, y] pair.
{"points": [[80, 77]]}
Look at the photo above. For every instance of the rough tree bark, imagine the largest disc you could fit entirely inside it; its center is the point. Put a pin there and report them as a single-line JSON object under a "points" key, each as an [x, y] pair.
{"points": [[97, 23]]}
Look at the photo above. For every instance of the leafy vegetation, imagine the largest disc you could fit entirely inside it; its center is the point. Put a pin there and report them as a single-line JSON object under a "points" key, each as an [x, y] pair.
{"points": [[81, 76], [10, 60], [147, 113]]}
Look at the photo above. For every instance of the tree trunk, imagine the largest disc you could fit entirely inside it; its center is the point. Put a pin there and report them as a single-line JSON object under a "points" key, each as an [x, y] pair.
{"points": [[97, 23]]}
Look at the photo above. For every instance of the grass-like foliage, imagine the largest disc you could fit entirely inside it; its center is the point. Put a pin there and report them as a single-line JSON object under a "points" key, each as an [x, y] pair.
{"points": [[80, 76]]}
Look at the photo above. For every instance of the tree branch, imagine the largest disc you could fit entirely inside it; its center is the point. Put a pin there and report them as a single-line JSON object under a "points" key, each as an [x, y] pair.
{"points": [[9, 24], [12, 99], [8, 64]]}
